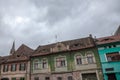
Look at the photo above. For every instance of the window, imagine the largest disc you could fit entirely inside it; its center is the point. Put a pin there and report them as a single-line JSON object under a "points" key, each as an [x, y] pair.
{"points": [[60, 62], [105, 47], [5, 68], [36, 78], [70, 78], [114, 45], [44, 63], [100, 48], [113, 56], [109, 46], [78, 60], [59, 78], [109, 69], [47, 78], [59, 47], [90, 58], [13, 67], [22, 78], [13, 79], [36, 64], [22, 67]]}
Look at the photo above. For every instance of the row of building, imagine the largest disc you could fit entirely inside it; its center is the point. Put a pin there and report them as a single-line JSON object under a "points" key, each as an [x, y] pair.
{"points": [[80, 59]]}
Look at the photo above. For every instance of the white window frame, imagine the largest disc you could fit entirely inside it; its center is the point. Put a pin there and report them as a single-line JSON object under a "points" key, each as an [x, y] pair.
{"points": [[93, 57], [46, 63], [38, 64], [56, 61], [78, 54]]}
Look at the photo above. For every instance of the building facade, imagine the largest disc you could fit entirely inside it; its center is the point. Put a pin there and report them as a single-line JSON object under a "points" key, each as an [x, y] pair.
{"points": [[68, 60], [16, 66], [109, 51]]}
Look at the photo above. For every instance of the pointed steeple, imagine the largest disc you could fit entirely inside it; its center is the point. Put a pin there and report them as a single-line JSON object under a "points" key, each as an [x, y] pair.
{"points": [[12, 51]]}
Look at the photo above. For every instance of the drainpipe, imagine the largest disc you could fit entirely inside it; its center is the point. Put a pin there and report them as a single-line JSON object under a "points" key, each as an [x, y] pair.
{"points": [[26, 70], [30, 70]]}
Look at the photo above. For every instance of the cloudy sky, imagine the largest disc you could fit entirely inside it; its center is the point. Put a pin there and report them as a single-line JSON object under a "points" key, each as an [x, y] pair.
{"points": [[36, 22]]}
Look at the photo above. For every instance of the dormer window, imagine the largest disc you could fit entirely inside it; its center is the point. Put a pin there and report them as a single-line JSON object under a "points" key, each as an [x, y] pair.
{"points": [[18, 55], [59, 47], [106, 39], [76, 45]]}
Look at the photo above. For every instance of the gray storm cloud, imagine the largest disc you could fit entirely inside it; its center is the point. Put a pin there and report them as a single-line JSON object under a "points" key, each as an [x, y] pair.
{"points": [[36, 22]]}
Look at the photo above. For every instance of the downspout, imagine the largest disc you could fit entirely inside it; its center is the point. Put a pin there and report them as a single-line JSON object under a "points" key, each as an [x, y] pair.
{"points": [[30, 70]]}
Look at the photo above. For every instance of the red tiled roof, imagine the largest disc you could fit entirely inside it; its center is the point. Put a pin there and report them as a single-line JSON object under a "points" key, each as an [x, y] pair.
{"points": [[109, 39]]}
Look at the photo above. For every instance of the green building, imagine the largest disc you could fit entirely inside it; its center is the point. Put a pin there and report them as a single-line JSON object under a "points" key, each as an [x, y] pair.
{"points": [[68, 60]]}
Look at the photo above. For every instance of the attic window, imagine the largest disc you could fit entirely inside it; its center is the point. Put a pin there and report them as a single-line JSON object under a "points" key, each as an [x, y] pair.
{"points": [[76, 45], [44, 50], [59, 46], [106, 39], [18, 55]]}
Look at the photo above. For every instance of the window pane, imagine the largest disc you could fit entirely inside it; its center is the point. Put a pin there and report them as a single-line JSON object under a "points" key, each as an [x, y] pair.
{"points": [[22, 78], [59, 78], [60, 62], [113, 56], [47, 78], [13, 78], [70, 78], [22, 67], [5, 68], [36, 78], [90, 60], [78, 60], [36, 64], [13, 67], [44, 63]]}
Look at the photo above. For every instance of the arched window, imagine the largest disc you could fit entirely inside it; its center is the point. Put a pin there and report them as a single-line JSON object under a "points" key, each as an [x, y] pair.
{"points": [[61, 61], [90, 58], [44, 63], [36, 64], [78, 59]]}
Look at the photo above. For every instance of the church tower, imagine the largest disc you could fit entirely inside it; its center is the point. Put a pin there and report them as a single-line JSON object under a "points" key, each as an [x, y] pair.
{"points": [[12, 51]]}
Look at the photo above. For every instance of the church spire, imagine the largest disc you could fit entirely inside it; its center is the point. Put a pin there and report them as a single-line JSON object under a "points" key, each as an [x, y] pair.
{"points": [[12, 51]]}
